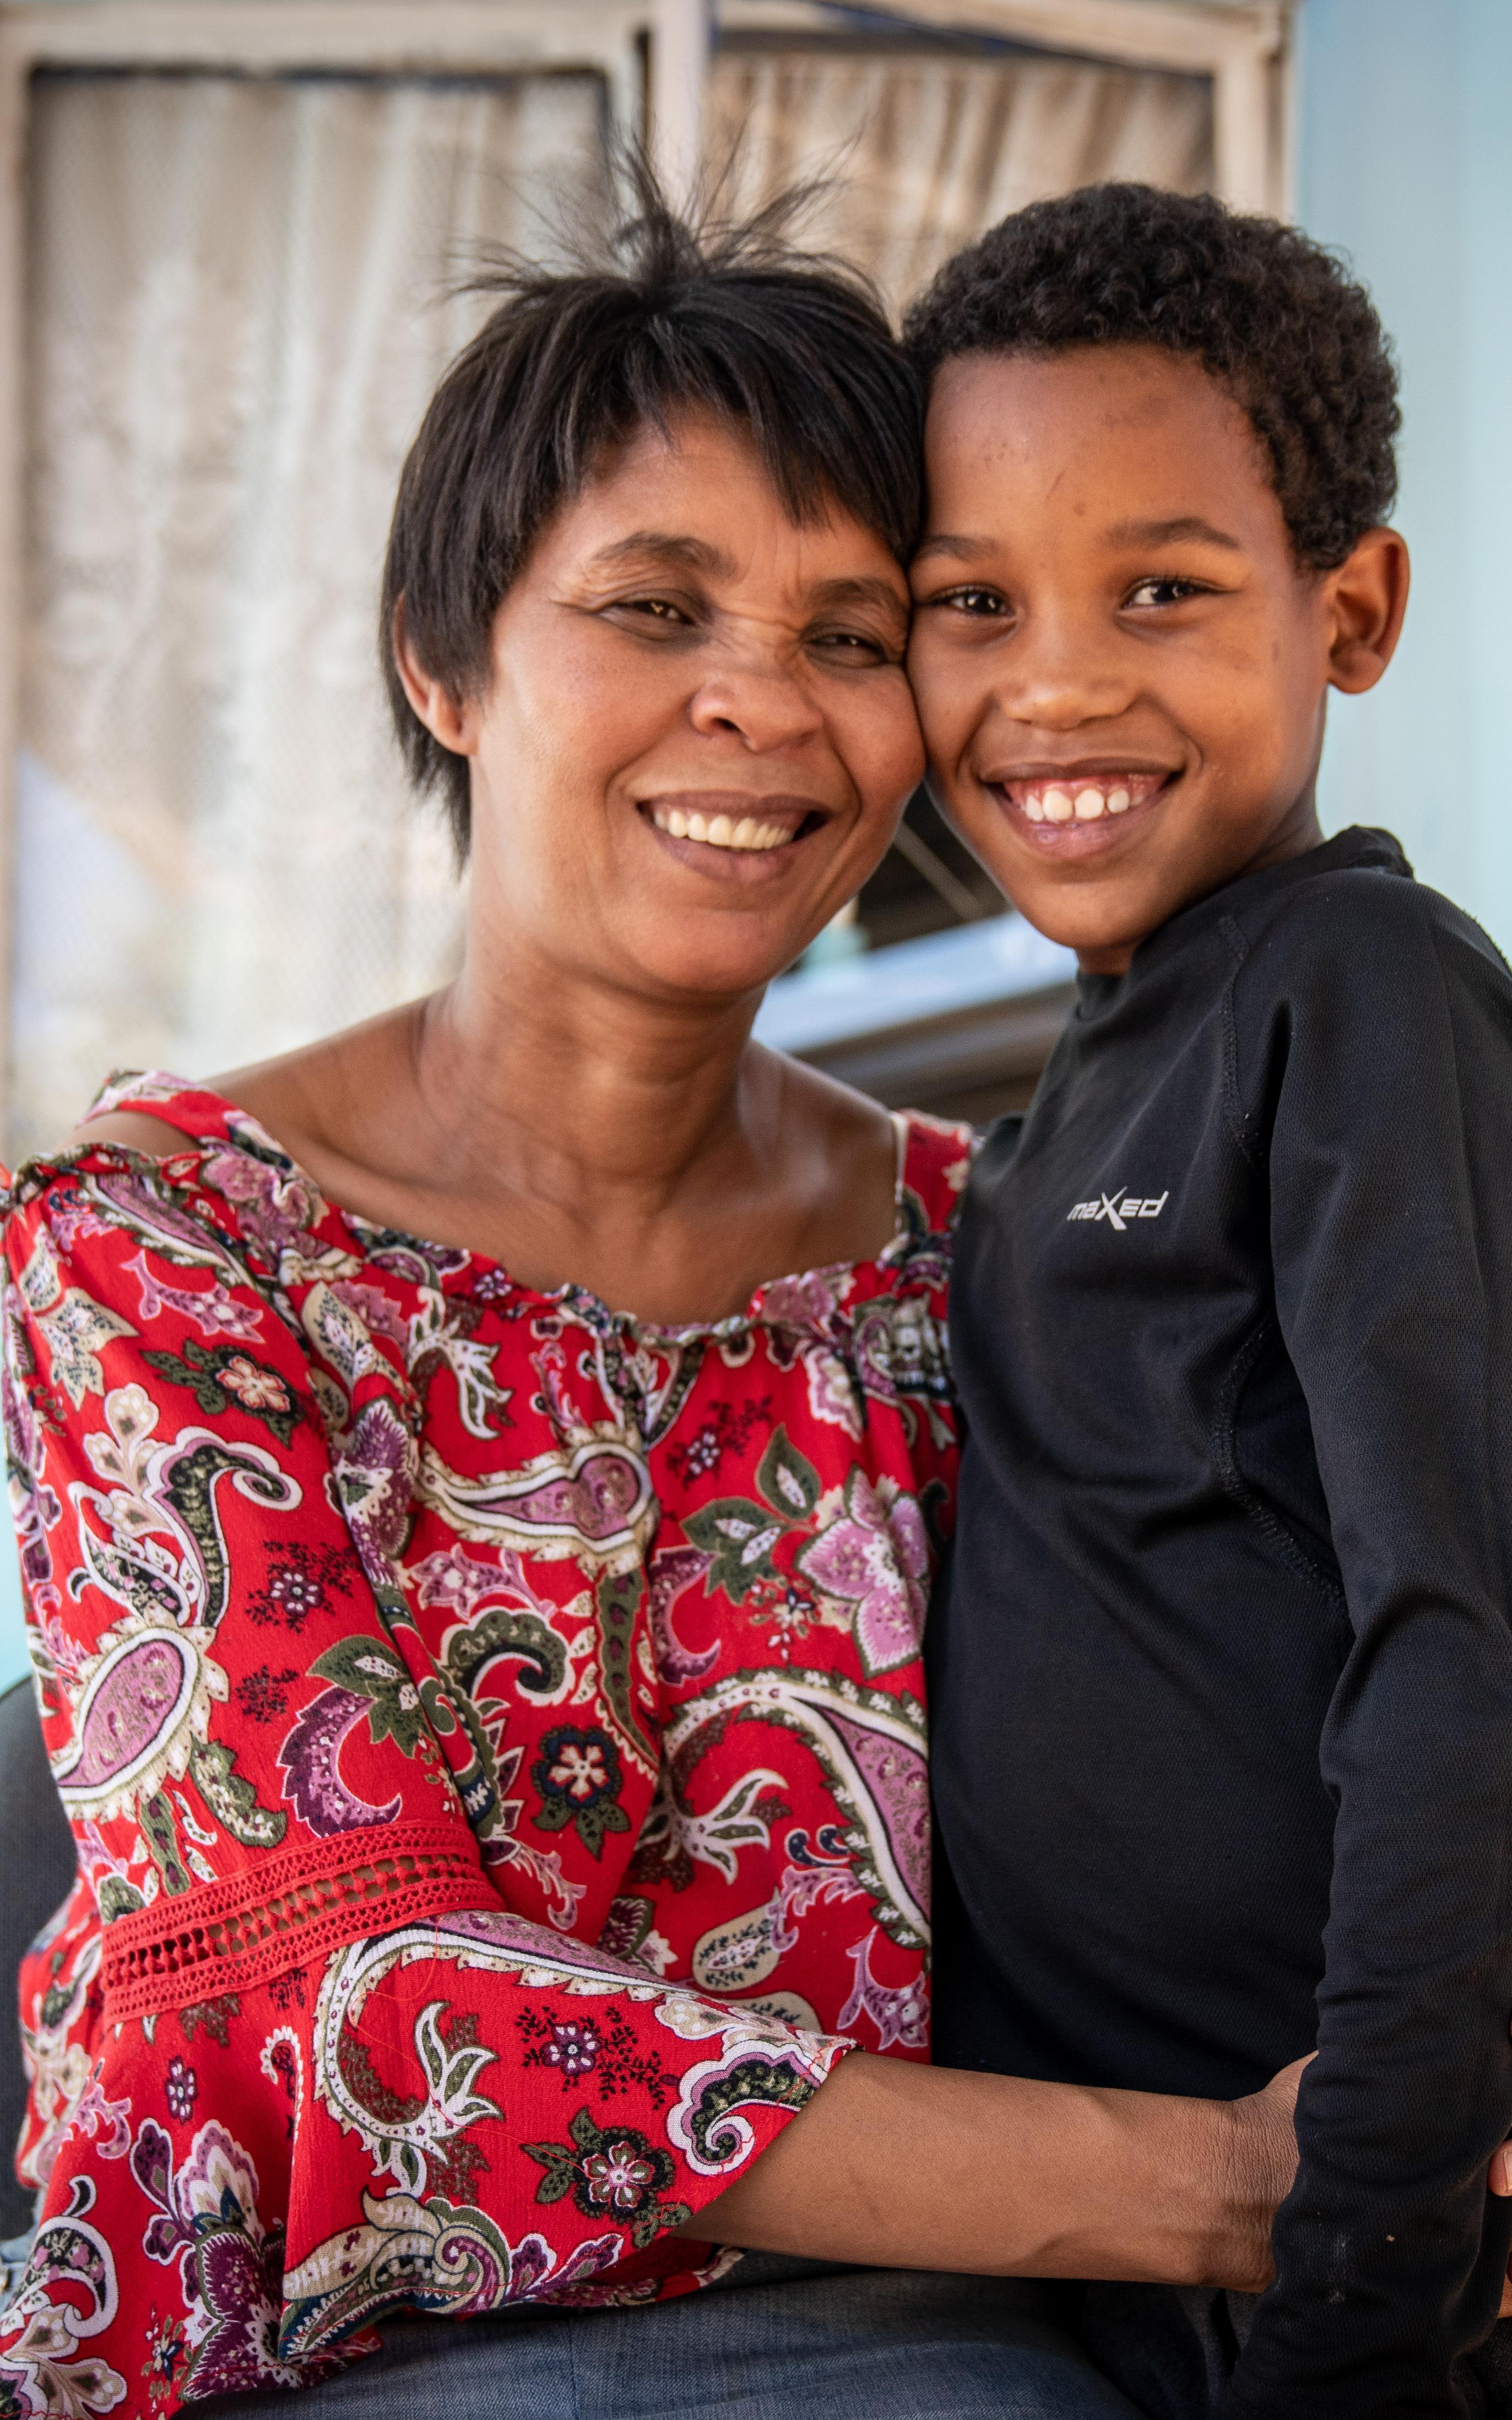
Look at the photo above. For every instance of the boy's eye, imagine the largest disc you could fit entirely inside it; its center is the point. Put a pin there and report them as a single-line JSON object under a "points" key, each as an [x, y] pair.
{"points": [[983, 602], [1167, 589]]}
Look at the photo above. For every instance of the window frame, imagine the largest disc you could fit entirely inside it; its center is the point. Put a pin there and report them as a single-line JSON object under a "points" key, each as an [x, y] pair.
{"points": [[1246, 50], [613, 39]]}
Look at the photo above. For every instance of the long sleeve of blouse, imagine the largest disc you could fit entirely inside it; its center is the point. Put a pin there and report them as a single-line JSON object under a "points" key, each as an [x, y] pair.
{"points": [[327, 2028]]}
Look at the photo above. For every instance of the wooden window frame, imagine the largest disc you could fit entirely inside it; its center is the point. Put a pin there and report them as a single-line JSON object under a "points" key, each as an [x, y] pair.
{"points": [[1246, 50]]}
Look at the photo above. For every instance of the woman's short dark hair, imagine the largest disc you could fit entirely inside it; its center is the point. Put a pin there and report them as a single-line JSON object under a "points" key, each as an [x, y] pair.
{"points": [[1273, 316], [670, 316]]}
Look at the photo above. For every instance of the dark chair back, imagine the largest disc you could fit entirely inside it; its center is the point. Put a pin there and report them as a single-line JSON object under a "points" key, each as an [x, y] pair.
{"points": [[36, 1872]]}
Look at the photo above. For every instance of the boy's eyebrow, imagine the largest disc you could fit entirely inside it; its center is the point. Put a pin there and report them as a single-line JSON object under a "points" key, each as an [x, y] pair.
{"points": [[1185, 525], [963, 548], [1167, 533]]}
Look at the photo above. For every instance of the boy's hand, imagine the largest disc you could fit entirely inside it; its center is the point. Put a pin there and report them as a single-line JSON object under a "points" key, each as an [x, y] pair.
{"points": [[1500, 2181]]}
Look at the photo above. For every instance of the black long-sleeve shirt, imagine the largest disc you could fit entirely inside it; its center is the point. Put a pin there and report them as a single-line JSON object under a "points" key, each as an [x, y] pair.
{"points": [[1222, 1667]]}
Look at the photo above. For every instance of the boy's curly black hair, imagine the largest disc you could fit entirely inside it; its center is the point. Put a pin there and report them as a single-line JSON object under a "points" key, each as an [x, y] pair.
{"points": [[1269, 313]]}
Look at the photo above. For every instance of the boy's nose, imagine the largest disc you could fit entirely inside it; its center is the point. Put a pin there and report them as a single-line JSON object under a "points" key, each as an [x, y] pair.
{"points": [[1056, 678]]}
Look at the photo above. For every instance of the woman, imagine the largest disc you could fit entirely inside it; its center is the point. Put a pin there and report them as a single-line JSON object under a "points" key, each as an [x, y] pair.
{"points": [[483, 1671]]}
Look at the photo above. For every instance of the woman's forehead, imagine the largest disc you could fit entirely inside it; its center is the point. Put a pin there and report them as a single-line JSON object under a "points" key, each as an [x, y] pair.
{"points": [[697, 498]]}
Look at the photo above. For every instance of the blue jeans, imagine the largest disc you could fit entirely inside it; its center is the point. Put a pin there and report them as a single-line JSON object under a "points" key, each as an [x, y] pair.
{"points": [[780, 2340]]}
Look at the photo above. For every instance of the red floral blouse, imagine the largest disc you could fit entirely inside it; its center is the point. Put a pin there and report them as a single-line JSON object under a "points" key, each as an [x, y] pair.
{"points": [[492, 1729]]}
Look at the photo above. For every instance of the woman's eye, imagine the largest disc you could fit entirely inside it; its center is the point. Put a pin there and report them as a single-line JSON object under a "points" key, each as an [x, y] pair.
{"points": [[852, 647], [655, 609], [1166, 591]]}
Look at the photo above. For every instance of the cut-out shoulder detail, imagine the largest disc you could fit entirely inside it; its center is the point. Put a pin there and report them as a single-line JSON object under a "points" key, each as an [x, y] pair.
{"points": [[137, 1129]]}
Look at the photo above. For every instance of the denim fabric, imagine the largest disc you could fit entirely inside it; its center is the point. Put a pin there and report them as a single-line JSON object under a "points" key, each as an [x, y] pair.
{"points": [[780, 2340]]}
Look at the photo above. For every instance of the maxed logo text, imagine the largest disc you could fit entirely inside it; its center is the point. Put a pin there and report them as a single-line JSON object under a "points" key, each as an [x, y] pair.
{"points": [[1119, 1208]]}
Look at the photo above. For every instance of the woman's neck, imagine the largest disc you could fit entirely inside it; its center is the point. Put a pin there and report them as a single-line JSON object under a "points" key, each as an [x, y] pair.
{"points": [[573, 1089], [574, 1131]]}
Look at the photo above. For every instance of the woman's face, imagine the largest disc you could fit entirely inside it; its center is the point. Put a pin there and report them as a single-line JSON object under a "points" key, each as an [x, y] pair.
{"points": [[699, 734]]}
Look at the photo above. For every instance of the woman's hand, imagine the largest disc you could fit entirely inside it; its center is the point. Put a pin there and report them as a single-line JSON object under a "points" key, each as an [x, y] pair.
{"points": [[1264, 2154], [1265, 2141], [900, 2167]]}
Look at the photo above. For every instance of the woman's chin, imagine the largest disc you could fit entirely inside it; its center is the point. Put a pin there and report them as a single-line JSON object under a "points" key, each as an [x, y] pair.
{"points": [[728, 964]]}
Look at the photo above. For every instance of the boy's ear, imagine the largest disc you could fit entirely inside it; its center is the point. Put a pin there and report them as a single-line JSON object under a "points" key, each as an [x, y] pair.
{"points": [[1366, 599]]}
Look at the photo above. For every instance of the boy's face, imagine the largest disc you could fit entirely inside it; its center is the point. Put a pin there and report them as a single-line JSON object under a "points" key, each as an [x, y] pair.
{"points": [[1120, 669]]}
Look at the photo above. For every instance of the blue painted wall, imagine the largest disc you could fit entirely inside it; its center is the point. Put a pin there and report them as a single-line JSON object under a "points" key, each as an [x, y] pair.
{"points": [[1405, 159]]}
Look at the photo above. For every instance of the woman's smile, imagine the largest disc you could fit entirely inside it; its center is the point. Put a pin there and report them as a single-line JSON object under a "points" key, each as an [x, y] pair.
{"points": [[736, 835]]}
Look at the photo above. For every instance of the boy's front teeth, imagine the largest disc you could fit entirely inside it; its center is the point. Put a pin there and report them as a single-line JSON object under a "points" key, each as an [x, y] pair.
{"points": [[1057, 806], [718, 832]]}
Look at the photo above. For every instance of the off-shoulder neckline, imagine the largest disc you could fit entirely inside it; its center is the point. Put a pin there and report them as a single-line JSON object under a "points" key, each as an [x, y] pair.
{"points": [[243, 1129]]}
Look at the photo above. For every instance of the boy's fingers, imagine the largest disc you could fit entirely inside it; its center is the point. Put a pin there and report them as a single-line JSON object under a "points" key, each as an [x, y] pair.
{"points": [[1499, 2177]]}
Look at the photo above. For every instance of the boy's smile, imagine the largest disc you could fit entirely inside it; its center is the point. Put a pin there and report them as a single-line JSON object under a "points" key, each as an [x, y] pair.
{"points": [[1121, 667]]}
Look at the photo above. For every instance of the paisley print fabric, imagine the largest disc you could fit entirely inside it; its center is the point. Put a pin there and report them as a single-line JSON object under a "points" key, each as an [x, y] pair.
{"points": [[492, 1730]]}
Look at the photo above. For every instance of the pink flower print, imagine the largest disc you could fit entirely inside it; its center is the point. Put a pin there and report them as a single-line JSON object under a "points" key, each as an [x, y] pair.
{"points": [[875, 1560], [617, 2177], [295, 1594], [573, 2048], [261, 1390], [181, 2090], [833, 1394], [379, 1312], [809, 1301], [579, 1771]]}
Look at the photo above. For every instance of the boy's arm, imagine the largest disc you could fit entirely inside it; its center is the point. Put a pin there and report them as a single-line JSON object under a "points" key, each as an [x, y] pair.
{"points": [[1381, 1064]]}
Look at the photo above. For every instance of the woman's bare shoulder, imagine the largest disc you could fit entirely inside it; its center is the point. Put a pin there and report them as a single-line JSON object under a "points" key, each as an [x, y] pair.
{"points": [[288, 1096], [309, 1098], [153, 1137]]}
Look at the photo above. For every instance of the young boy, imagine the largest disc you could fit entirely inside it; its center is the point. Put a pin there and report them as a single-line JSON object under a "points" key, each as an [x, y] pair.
{"points": [[1222, 1673]]}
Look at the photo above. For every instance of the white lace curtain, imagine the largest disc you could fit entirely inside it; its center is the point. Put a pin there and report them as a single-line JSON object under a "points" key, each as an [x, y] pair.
{"points": [[234, 328], [928, 149]]}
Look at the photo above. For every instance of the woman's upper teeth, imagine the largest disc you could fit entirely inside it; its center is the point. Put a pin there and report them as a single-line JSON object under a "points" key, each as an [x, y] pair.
{"points": [[719, 832]]}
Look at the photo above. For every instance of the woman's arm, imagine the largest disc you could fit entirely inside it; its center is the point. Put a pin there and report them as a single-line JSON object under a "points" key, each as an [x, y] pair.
{"points": [[901, 2166]]}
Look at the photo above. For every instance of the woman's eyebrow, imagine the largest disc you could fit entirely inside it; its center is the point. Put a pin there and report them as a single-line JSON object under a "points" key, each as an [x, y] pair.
{"points": [[863, 588], [1185, 525], [666, 546]]}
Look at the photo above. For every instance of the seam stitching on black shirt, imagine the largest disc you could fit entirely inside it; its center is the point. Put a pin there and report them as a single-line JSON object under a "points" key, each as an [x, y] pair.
{"points": [[1225, 1450], [1233, 1106]]}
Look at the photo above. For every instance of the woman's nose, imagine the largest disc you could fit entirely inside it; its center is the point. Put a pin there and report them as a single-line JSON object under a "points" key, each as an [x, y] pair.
{"points": [[765, 704]]}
